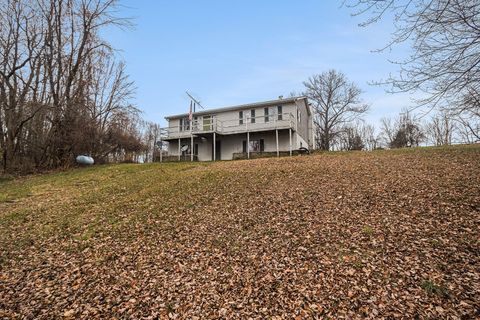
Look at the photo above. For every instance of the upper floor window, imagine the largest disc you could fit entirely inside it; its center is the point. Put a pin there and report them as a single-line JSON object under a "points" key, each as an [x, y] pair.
{"points": [[195, 123], [271, 114], [252, 116], [208, 122], [184, 124], [240, 117], [280, 112]]}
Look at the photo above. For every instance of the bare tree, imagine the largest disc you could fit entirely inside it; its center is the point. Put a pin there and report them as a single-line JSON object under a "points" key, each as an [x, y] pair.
{"points": [[370, 138], [440, 129], [445, 38], [336, 102], [350, 138], [467, 117], [403, 131], [356, 136], [387, 131], [151, 139], [468, 129], [21, 43], [110, 91]]}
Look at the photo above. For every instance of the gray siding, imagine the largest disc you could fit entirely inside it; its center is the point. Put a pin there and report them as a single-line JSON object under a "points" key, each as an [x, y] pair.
{"points": [[231, 144], [303, 122]]}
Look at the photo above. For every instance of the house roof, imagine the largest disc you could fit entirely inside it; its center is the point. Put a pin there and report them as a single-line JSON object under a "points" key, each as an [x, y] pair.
{"points": [[242, 107]]}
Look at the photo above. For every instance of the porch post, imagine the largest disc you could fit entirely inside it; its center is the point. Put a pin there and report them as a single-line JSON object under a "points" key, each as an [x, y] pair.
{"points": [[214, 149], [276, 136], [179, 152], [290, 137], [248, 145], [161, 148], [248, 136], [191, 147]]}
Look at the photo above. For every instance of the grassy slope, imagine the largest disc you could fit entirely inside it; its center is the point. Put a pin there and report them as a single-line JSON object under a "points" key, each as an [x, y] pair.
{"points": [[343, 234]]}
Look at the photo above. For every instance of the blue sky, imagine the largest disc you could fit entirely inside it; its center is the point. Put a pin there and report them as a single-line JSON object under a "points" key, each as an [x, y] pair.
{"points": [[235, 52]]}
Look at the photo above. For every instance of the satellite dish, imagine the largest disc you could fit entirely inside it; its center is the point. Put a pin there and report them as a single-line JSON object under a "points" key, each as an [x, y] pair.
{"points": [[184, 147]]}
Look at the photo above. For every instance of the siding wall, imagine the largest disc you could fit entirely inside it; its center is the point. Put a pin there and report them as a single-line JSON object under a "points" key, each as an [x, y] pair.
{"points": [[231, 144], [230, 118], [234, 143], [304, 124]]}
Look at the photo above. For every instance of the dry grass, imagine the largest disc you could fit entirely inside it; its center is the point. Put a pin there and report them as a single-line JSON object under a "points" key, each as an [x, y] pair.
{"points": [[349, 235]]}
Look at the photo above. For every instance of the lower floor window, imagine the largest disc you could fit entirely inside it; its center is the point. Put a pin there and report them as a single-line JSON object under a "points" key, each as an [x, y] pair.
{"points": [[254, 146]]}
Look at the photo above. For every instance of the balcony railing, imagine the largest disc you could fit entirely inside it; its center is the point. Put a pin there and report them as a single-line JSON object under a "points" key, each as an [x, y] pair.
{"points": [[247, 124]]}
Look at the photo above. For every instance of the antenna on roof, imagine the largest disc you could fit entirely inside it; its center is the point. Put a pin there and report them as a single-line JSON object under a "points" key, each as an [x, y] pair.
{"points": [[194, 101]]}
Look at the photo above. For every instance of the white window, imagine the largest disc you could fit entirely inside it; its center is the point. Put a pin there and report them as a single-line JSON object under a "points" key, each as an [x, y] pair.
{"points": [[184, 124], [272, 113], [195, 123], [208, 122], [254, 146]]}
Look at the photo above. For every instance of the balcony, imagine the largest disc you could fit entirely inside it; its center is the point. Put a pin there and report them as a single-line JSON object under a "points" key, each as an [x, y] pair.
{"points": [[234, 126]]}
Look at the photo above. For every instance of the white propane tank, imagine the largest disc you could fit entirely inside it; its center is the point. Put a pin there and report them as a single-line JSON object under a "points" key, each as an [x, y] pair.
{"points": [[83, 159]]}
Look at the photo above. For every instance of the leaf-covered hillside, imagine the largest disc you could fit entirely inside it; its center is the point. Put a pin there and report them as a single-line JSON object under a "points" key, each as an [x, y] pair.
{"points": [[384, 234]]}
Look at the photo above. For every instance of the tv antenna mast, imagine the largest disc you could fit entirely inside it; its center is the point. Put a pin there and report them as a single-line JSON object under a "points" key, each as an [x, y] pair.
{"points": [[194, 101]]}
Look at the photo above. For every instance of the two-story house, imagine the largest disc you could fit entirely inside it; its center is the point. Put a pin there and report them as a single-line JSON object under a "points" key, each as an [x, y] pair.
{"points": [[276, 126]]}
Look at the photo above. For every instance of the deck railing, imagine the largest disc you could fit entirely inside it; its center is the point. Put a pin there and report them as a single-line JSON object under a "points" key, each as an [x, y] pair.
{"points": [[247, 124]]}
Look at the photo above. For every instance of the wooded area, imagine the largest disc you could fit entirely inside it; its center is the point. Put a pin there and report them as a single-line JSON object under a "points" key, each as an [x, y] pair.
{"points": [[63, 92]]}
